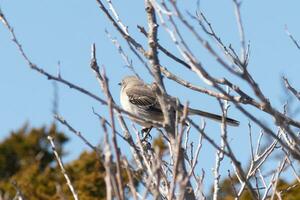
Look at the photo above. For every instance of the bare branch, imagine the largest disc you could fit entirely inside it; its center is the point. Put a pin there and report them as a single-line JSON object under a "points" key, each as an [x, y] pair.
{"points": [[109, 177], [115, 14], [292, 37], [60, 164], [290, 88], [237, 7], [114, 139]]}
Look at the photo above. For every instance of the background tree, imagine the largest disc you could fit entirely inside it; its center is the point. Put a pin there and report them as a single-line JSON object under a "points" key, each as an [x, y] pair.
{"points": [[27, 165], [170, 168]]}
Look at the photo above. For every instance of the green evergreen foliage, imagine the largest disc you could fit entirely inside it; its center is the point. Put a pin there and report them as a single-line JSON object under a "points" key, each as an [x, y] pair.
{"points": [[88, 174], [26, 159], [26, 147], [289, 191]]}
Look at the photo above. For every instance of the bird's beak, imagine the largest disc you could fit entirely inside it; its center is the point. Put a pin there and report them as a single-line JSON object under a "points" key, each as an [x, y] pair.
{"points": [[120, 84]]}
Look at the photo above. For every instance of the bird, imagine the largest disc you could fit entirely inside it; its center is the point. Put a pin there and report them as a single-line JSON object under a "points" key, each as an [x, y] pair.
{"points": [[138, 97]]}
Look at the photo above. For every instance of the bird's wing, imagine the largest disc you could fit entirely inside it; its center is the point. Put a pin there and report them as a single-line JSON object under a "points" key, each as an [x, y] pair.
{"points": [[143, 97]]}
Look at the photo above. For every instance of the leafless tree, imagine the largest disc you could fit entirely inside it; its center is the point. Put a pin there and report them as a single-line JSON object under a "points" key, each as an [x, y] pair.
{"points": [[175, 174]]}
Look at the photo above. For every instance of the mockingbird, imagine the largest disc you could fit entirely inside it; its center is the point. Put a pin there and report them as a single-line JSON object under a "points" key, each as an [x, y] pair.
{"points": [[138, 98]]}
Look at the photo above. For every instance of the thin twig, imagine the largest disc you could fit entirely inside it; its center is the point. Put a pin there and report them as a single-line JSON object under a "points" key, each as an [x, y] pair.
{"points": [[60, 164], [290, 88], [237, 6], [114, 138], [110, 178], [292, 37]]}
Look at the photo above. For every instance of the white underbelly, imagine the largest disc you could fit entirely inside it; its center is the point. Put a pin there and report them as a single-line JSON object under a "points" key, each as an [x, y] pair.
{"points": [[129, 107]]}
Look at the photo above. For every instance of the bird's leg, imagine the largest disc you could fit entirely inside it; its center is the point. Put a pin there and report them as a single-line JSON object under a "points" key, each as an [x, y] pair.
{"points": [[146, 133]]}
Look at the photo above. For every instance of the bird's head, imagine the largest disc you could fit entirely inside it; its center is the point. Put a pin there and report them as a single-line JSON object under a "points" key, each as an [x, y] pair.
{"points": [[130, 81]]}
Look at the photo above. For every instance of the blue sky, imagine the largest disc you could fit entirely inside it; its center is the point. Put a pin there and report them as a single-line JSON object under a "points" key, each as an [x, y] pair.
{"points": [[52, 31]]}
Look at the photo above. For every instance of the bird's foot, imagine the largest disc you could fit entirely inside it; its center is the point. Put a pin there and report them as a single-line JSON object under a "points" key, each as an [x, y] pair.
{"points": [[146, 134]]}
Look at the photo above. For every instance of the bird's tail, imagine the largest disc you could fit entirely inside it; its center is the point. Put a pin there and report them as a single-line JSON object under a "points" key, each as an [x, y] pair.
{"points": [[212, 116]]}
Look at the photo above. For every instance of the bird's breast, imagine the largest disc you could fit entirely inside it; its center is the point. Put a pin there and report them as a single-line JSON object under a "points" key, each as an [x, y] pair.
{"points": [[131, 108]]}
